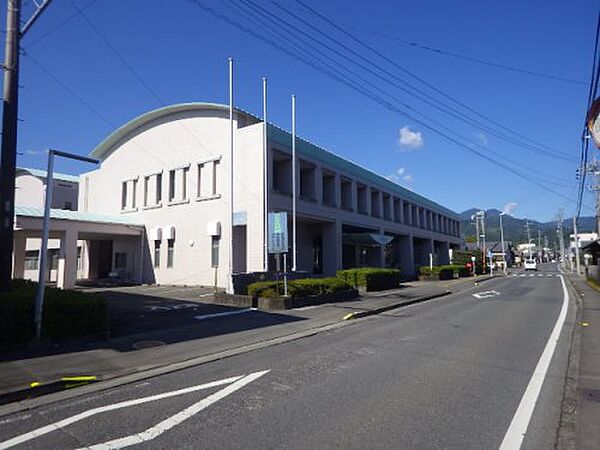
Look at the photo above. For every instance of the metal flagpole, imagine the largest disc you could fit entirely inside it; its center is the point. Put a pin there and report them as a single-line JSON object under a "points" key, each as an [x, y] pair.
{"points": [[294, 183], [230, 277], [265, 178]]}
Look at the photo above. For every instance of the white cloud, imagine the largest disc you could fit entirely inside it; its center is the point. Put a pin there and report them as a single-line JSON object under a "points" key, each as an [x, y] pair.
{"points": [[401, 171], [401, 177], [34, 152], [509, 207], [409, 139], [482, 138], [408, 178]]}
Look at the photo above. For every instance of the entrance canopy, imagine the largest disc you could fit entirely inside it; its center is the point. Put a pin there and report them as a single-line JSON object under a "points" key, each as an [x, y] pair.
{"points": [[366, 239]]}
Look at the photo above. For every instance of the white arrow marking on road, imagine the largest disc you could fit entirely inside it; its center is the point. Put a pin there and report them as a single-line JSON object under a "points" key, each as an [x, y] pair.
{"points": [[486, 294], [518, 427], [234, 382]]}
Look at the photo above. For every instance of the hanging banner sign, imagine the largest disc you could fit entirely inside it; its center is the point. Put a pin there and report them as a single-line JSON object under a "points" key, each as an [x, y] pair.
{"points": [[278, 233]]}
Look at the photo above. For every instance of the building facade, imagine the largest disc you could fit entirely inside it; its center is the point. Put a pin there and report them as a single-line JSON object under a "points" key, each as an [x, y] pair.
{"points": [[170, 170]]}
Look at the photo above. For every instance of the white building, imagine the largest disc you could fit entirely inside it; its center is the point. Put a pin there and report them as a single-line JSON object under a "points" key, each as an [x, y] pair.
{"points": [[170, 171]]}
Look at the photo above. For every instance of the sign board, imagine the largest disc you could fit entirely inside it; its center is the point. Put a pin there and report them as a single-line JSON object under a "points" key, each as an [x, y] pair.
{"points": [[278, 233]]}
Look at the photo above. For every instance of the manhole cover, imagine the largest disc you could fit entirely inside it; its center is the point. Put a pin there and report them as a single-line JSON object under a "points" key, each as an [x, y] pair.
{"points": [[147, 344], [592, 394]]}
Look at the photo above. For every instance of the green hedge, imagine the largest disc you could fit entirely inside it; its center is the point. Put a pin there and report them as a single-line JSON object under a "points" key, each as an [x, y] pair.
{"points": [[66, 313], [446, 272], [371, 278], [306, 287]]}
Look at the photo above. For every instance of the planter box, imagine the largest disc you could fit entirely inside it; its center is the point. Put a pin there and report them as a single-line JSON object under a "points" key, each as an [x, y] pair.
{"points": [[244, 301], [298, 302]]}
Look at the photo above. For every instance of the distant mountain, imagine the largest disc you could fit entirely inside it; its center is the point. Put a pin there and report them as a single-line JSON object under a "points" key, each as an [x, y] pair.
{"points": [[514, 227]]}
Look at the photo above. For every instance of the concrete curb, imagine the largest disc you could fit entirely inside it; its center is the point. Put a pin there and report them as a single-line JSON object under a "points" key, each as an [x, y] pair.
{"points": [[372, 312], [566, 437], [145, 372]]}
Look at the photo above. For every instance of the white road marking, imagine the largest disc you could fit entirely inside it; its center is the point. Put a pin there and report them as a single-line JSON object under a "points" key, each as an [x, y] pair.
{"points": [[522, 275], [224, 314], [102, 409], [173, 421], [531, 275], [486, 294], [518, 426]]}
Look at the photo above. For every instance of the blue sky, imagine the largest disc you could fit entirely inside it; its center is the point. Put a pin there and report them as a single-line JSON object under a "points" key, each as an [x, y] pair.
{"points": [[180, 52]]}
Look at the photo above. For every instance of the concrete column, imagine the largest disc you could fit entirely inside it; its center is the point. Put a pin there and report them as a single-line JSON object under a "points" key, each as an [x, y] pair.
{"points": [[67, 260], [445, 253], [338, 191], [401, 213], [418, 217], [381, 251], [406, 256], [332, 247], [20, 244], [319, 184], [369, 206]]}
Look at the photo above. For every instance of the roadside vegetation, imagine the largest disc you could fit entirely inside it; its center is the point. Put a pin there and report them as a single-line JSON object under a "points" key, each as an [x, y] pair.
{"points": [[67, 313]]}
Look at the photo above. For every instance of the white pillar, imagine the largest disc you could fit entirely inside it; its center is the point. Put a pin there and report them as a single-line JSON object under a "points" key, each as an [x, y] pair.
{"points": [[332, 248], [67, 260]]}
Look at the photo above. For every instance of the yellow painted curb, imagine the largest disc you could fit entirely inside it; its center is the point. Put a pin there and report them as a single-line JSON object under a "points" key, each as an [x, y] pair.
{"points": [[34, 384], [585, 324], [80, 378], [349, 316]]}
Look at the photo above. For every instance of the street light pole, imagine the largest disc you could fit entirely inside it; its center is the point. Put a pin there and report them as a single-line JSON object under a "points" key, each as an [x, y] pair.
{"points": [[39, 298]]}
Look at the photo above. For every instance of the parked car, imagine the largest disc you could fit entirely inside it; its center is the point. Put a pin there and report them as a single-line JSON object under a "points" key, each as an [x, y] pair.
{"points": [[530, 264]]}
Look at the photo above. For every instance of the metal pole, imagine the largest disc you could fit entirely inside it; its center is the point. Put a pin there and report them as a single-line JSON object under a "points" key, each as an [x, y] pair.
{"points": [[265, 178], [285, 283], [231, 143], [502, 244], [577, 264], [39, 298], [8, 156], [294, 266]]}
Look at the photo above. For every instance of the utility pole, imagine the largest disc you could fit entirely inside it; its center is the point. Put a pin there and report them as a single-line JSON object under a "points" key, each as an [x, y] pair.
{"points": [[561, 238], [8, 158], [528, 237], [577, 264], [476, 219], [8, 154], [540, 244]]}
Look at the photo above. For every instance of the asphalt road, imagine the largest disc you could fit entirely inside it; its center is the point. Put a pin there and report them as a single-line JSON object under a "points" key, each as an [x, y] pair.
{"points": [[449, 373]]}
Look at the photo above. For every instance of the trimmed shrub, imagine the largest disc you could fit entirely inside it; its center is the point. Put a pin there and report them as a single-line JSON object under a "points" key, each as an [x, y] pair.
{"points": [[464, 272], [306, 287], [67, 313], [371, 278]]}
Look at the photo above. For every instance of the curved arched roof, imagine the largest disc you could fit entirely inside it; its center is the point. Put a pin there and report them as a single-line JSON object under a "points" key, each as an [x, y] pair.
{"points": [[107, 146]]}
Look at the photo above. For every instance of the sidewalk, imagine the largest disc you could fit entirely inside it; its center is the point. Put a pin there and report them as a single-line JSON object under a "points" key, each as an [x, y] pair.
{"points": [[587, 416], [203, 341]]}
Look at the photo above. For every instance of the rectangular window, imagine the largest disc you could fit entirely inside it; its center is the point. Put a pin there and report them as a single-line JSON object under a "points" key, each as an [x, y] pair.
{"points": [[152, 189], [156, 254], [158, 188], [207, 179], [214, 254], [120, 260], [171, 185], [214, 177], [79, 258], [124, 195], [128, 194], [170, 252], [184, 181], [31, 259], [68, 205]]}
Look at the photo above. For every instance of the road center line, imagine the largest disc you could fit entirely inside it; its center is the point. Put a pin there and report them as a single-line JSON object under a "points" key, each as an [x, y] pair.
{"points": [[518, 427]]}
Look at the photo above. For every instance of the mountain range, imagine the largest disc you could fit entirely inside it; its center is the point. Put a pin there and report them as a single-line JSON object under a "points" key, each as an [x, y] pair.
{"points": [[515, 228]]}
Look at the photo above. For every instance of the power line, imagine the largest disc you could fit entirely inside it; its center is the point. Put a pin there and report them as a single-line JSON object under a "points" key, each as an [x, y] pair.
{"points": [[421, 80], [368, 94], [284, 27], [270, 22], [471, 58]]}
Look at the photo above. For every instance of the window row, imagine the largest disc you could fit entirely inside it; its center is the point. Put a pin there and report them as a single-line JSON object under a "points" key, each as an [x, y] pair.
{"points": [[326, 187], [178, 188]]}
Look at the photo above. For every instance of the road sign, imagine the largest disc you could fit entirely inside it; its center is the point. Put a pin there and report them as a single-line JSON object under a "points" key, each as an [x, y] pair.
{"points": [[278, 233]]}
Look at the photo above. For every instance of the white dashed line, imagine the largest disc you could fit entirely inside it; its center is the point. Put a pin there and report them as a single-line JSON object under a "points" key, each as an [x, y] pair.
{"points": [[224, 314]]}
